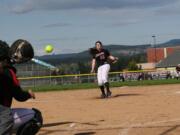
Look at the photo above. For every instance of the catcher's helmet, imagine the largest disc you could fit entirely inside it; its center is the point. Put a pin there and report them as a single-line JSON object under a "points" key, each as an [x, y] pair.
{"points": [[4, 49], [21, 51]]}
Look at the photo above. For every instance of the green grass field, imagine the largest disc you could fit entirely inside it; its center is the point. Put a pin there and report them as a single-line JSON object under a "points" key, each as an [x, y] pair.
{"points": [[93, 85]]}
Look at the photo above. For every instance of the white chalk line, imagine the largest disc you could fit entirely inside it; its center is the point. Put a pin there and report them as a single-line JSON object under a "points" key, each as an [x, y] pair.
{"points": [[124, 129], [42, 101], [177, 92], [140, 125]]}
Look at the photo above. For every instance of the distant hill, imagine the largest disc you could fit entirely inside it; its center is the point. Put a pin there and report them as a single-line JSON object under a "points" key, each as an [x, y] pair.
{"points": [[173, 42], [117, 50]]}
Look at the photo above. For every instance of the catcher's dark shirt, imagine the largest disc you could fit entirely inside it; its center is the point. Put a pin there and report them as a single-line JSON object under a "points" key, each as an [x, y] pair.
{"points": [[10, 88], [101, 57]]}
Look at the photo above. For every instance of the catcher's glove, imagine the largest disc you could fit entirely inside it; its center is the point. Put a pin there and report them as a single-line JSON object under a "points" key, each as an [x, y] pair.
{"points": [[113, 61]]}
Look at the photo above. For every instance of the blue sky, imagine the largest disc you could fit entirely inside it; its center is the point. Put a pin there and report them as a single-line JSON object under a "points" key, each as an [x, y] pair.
{"points": [[75, 25]]}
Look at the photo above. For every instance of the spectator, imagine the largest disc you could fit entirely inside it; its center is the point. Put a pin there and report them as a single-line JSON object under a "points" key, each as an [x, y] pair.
{"points": [[121, 77], [141, 76], [177, 71]]}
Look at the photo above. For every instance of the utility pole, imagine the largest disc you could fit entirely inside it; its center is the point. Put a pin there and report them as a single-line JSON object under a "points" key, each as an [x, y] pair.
{"points": [[154, 45]]}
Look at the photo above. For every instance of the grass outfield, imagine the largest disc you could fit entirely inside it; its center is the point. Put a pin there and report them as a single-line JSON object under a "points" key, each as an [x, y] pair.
{"points": [[93, 85]]}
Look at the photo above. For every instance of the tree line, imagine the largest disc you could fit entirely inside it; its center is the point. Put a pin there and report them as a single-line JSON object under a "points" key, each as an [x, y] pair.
{"points": [[84, 66]]}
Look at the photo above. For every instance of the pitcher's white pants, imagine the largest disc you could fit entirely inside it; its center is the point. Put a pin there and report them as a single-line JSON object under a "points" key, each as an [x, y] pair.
{"points": [[102, 74]]}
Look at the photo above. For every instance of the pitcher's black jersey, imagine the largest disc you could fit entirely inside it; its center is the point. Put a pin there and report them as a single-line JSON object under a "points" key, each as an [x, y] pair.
{"points": [[101, 57]]}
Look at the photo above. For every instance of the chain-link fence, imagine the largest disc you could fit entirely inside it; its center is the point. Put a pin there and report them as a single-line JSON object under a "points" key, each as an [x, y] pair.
{"points": [[33, 75], [91, 78]]}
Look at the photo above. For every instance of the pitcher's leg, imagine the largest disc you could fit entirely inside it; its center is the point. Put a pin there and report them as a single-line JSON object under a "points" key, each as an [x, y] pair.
{"points": [[106, 69], [100, 82]]}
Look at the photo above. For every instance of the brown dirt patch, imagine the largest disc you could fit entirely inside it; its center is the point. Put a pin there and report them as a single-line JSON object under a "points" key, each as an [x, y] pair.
{"points": [[145, 110]]}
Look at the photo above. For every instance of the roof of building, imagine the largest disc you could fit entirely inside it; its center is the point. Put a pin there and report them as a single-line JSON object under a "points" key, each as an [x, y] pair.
{"points": [[171, 61], [146, 66]]}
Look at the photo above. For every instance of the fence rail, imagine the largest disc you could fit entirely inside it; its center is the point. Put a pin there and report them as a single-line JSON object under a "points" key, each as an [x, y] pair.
{"points": [[89, 78]]}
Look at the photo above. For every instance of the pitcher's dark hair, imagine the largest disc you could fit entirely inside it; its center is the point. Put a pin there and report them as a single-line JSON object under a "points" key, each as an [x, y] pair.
{"points": [[98, 42]]}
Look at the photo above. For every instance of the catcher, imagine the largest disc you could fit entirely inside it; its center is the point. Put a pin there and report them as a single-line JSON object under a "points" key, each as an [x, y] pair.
{"points": [[101, 59], [25, 121], [6, 117]]}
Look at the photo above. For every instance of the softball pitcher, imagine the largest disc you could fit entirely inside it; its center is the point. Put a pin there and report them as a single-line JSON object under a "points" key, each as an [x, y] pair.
{"points": [[101, 59]]}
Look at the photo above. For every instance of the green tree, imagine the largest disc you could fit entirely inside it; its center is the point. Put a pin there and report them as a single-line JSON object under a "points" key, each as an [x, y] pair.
{"points": [[132, 65], [83, 67]]}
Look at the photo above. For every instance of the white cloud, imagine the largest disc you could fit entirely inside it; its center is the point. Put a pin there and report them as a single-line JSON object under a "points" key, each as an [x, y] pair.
{"points": [[62, 39], [169, 10], [56, 25], [23, 6]]}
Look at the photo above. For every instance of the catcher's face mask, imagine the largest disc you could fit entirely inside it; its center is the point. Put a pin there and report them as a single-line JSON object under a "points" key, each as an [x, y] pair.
{"points": [[21, 51]]}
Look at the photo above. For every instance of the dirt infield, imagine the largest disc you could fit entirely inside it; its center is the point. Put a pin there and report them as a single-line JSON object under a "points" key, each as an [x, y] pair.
{"points": [[146, 110]]}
